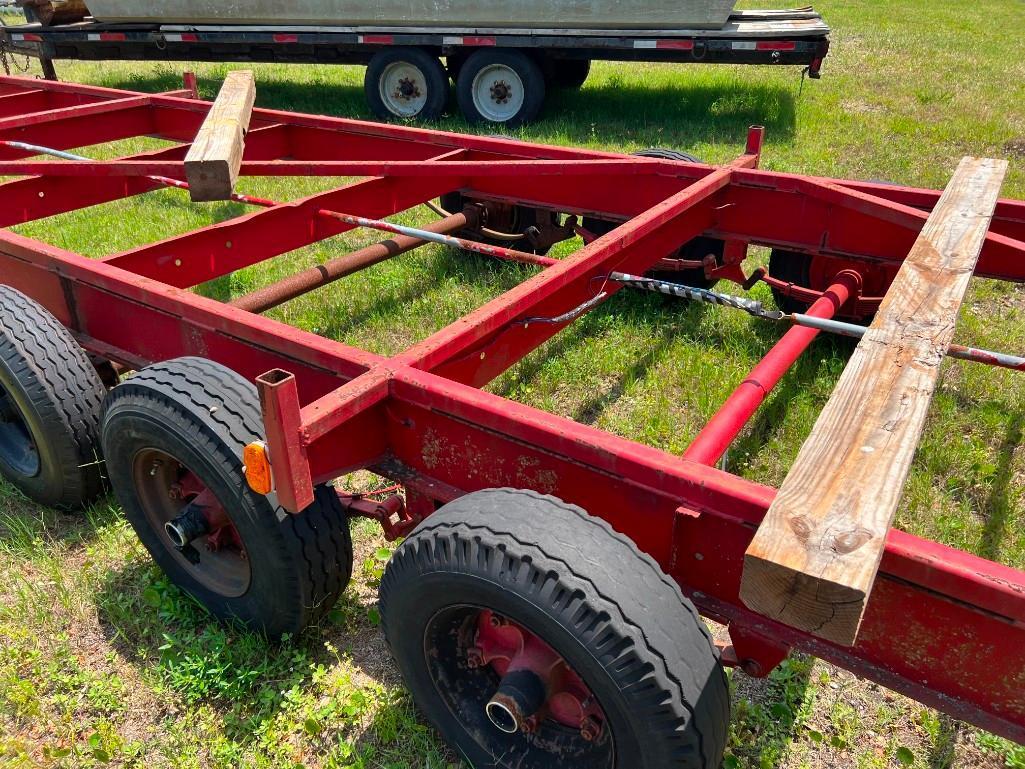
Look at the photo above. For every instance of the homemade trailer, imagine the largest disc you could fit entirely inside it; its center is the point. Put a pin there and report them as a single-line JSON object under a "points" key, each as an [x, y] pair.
{"points": [[502, 73], [543, 604]]}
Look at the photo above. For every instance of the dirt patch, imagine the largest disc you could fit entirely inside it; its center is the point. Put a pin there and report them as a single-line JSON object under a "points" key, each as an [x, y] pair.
{"points": [[1015, 147]]}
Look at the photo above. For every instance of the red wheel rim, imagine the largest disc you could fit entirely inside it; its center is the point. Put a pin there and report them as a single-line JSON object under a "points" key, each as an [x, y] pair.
{"points": [[217, 559], [513, 693]]}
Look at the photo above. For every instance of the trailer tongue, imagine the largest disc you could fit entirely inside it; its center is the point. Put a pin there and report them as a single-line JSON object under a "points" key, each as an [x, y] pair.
{"points": [[543, 605]]}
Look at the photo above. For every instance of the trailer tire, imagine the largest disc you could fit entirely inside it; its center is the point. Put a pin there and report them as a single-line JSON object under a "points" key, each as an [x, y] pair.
{"points": [[790, 267], [285, 571], [500, 86], [695, 249], [406, 83], [566, 73], [628, 633], [50, 402]]}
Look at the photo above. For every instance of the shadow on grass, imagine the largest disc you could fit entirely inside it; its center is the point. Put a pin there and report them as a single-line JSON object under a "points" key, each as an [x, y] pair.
{"points": [[676, 115], [944, 742], [768, 713], [999, 506], [797, 380], [261, 692], [394, 302], [667, 318], [25, 527], [318, 97], [675, 110], [663, 335]]}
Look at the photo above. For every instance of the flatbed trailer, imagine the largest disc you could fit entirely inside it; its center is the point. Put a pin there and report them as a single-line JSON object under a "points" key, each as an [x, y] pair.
{"points": [[542, 606], [408, 81]]}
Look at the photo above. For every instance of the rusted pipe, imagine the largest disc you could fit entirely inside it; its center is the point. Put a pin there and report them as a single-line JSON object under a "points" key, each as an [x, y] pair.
{"points": [[303, 282]]}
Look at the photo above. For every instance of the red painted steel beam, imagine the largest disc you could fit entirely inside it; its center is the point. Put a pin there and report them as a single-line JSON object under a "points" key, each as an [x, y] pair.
{"points": [[202, 255], [23, 102], [639, 243], [38, 100], [109, 108], [80, 129], [934, 613], [776, 211], [1008, 219], [34, 198], [722, 429], [279, 402], [94, 300], [317, 136], [397, 168]]}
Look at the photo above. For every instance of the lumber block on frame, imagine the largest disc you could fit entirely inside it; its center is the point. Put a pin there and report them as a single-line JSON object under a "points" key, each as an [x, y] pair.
{"points": [[814, 558], [213, 162]]}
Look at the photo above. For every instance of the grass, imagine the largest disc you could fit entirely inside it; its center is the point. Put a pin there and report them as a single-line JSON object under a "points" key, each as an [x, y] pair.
{"points": [[102, 662]]}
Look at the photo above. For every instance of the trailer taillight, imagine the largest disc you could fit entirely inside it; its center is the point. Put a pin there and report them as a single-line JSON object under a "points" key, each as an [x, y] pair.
{"points": [[256, 466]]}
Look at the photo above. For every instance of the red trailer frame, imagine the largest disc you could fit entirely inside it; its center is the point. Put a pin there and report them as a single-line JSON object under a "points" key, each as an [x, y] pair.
{"points": [[942, 626]]}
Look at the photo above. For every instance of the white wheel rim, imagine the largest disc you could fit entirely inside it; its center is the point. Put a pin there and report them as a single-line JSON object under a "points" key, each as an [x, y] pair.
{"points": [[498, 93], [403, 89]]}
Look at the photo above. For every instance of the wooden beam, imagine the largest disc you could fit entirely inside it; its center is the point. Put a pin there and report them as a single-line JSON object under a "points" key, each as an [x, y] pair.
{"points": [[213, 162], [813, 560]]}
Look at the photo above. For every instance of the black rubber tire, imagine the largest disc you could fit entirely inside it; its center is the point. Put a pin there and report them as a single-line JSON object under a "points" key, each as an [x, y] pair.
{"points": [[791, 267], [58, 396], [665, 154], [695, 249], [203, 414], [566, 73], [587, 591], [454, 64], [435, 78], [525, 68]]}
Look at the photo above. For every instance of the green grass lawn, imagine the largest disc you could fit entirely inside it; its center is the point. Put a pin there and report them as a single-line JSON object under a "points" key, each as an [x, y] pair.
{"points": [[102, 662]]}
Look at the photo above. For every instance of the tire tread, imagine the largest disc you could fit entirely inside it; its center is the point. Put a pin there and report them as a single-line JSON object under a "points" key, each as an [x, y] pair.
{"points": [[320, 532], [585, 539], [61, 382]]}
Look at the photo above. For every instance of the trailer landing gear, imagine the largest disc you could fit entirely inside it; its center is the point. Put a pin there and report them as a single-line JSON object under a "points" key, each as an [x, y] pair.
{"points": [[577, 650]]}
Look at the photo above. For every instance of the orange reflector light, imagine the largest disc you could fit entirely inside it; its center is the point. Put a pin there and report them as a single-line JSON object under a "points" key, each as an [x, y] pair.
{"points": [[257, 467]]}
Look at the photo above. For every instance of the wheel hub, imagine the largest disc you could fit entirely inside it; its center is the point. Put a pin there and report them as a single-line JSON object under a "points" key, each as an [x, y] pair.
{"points": [[536, 683], [192, 522], [407, 90], [500, 92], [17, 448]]}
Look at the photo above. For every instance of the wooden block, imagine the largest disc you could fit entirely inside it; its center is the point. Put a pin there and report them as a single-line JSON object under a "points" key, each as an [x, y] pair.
{"points": [[51, 12], [814, 558], [214, 160]]}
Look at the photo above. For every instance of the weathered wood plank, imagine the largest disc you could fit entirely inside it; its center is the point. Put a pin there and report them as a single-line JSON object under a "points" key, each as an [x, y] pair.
{"points": [[814, 558], [212, 163]]}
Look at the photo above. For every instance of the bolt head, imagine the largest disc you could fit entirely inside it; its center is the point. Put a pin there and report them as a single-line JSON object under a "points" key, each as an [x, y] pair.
{"points": [[590, 728], [530, 725], [474, 657]]}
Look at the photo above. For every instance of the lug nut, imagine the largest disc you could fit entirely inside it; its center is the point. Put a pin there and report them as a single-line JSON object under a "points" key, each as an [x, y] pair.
{"points": [[590, 728]]}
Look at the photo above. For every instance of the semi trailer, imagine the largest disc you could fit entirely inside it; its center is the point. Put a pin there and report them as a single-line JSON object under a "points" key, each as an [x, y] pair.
{"points": [[503, 66]]}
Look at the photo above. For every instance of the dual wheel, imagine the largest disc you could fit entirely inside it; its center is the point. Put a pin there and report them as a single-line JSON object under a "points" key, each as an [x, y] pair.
{"points": [[493, 85], [168, 441], [531, 652]]}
